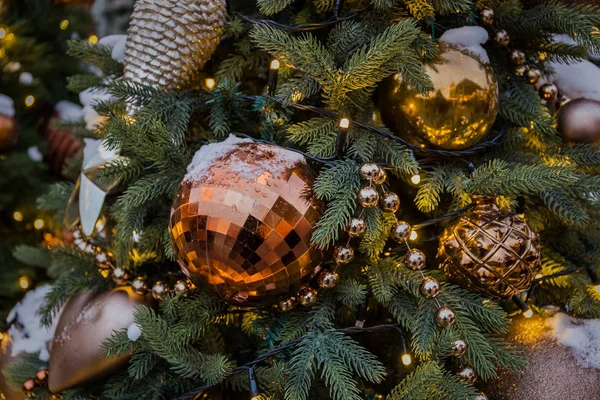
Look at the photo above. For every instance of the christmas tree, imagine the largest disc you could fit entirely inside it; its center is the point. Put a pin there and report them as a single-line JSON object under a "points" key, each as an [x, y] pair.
{"points": [[324, 200]]}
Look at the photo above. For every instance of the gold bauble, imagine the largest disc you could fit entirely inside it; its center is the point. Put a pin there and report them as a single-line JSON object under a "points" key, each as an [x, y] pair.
{"points": [[455, 115], [490, 251], [502, 38], [328, 279], [307, 296], [401, 231], [8, 133], [517, 57], [182, 287], [373, 172], [169, 41], [287, 304], [389, 202], [415, 259], [429, 287], [579, 121], [343, 254], [481, 396], [139, 286], [487, 16], [160, 290], [368, 197], [548, 91], [77, 356], [241, 222], [468, 375], [356, 227], [459, 348], [444, 316], [533, 75], [120, 276]]}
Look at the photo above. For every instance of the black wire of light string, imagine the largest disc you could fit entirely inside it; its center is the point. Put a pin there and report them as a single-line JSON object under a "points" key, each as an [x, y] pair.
{"points": [[263, 357]]}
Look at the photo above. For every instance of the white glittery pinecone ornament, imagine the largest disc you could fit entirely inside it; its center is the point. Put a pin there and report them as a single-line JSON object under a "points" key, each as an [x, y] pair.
{"points": [[169, 41]]}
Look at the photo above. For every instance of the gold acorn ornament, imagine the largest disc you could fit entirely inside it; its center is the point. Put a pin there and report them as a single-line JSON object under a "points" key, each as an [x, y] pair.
{"points": [[456, 115], [489, 251], [169, 41]]}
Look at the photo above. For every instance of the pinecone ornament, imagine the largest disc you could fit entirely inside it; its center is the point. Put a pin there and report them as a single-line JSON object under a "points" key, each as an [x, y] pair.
{"points": [[490, 251], [169, 41]]}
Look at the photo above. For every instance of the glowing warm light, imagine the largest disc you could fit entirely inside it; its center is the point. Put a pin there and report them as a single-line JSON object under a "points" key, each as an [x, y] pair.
{"points": [[1, 335], [416, 179], [38, 224], [597, 288], [528, 313], [539, 276], [18, 216], [275, 64], [29, 100], [2, 33], [210, 83], [93, 39], [129, 120], [24, 282], [344, 123], [413, 235], [406, 359], [64, 24], [48, 237]]}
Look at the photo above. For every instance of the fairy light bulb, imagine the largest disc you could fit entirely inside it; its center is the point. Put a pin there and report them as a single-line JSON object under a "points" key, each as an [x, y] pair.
{"points": [[416, 179], [406, 359], [413, 235], [92, 39], [29, 100], [210, 83], [24, 282], [597, 288], [528, 313], [2, 33], [64, 24], [18, 216], [38, 224], [344, 123], [275, 64]]}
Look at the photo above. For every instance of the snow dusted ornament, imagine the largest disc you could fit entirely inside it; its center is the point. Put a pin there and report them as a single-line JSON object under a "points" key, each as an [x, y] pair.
{"points": [[88, 196], [169, 41], [242, 219], [77, 355]]}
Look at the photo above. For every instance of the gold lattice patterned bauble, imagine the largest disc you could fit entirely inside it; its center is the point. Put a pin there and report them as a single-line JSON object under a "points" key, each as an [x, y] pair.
{"points": [[169, 41], [455, 115], [242, 220], [490, 251]]}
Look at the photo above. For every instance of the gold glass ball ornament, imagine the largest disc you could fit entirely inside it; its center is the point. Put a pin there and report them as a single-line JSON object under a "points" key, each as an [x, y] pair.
{"points": [[579, 121], [160, 290], [343, 254], [120, 276], [401, 231], [429, 287], [307, 296], [521, 70], [548, 91], [182, 287], [389, 202], [328, 279], [415, 259], [489, 251], [517, 57], [242, 221], [502, 38], [533, 75], [368, 197], [459, 348], [139, 286], [468, 375], [487, 16], [456, 115], [444, 316], [481, 396], [372, 172], [288, 304], [356, 227]]}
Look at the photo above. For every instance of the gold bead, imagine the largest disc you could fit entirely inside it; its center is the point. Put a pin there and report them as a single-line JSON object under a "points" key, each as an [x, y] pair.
{"points": [[502, 38], [401, 231], [288, 304], [373, 172], [307, 296], [444, 316], [415, 259], [521, 70], [487, 16], [368, 197], [120, 276], [481, 396], [548, 91], [181, 287], [429, 287], [517, 57], [139, 286], [328, 279], [389, 202], [533, 75], [343, 254], [160, 290], [468, 375], [356, 227], [459, 348]]}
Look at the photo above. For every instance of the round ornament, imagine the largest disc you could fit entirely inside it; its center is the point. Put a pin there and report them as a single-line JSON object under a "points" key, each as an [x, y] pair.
{"points": [[343, 254], [459, 348], [455, 115], [288, 304], [62, 146], [579, 121], [8, 133], [169, 41], [490, 251], [373, 173], [429, 287], [328, 279], [468, 375], [307, 296], [356, 227], [368, 197], [401, 231], [242, 220], [415, 259], [389, 202], [444, 316]]}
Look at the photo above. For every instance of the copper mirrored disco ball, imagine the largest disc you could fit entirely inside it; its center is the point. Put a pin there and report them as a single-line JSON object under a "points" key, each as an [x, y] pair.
{"points": [[579, 121], [242, 220], [490, 251], [455, 115]]}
